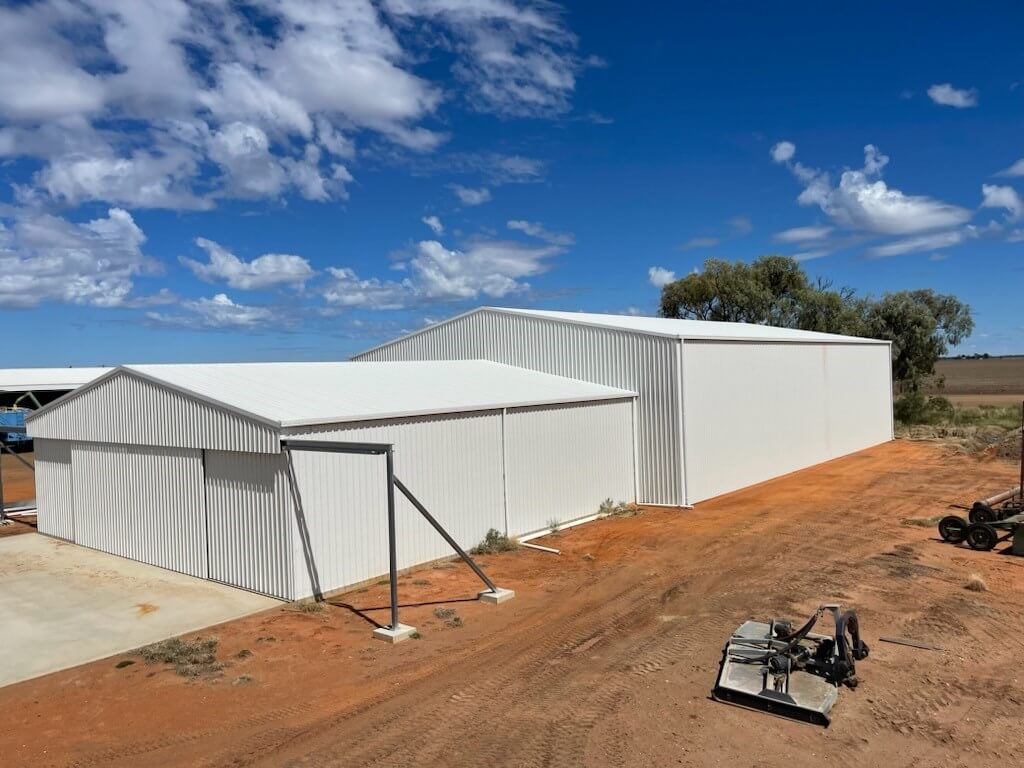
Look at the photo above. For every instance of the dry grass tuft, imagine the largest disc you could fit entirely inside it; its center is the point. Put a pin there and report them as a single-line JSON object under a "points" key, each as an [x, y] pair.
{"points": [[191, 658], [976, 583]]}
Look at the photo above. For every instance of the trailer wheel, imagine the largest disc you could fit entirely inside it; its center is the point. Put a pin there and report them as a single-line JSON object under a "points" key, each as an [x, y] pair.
{"points": [[953, 529], [982, 513], [981, 536]]}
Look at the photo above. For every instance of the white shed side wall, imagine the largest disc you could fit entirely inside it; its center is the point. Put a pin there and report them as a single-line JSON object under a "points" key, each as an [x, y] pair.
{"points": [[452, 464], [859, 397], [143, 503], [131, 410], [754, 411], [250, 521], [54, 488], [564, 460], [641, 363]]}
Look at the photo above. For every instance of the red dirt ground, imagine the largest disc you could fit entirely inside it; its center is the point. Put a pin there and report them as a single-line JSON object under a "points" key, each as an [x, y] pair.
{"points": [[608, 653], [19, 482]]}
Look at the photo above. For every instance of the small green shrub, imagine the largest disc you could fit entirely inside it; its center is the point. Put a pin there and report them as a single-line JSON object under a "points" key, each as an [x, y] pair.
{"points": [[309, 606], [444, 613], [245, 653], [421, 583], [123, 663], [554, 525], [495, 541]]}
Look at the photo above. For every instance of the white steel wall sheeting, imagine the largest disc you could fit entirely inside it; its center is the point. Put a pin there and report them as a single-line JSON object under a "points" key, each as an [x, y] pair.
{"points": [[755, 411], [132, 410], [859, 398], [54, 488], [563, 461], [249, 521], [451, 463], [633, 361], [143, 503]]}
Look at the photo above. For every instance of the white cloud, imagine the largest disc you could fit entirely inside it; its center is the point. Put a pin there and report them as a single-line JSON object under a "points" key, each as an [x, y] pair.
{"points": [[218, 312], [948, 96], [863, 202], [347, 290], [922, 243], [177, 103], [267, 271], [493, 268], [434, 223], [46, 258], [516, 59], [39, 77], [537, 230], [818, 253], [470, 196], [783, 152], [1017, 169], [994, 196], [803, 234], [490, 268], [660, 277], [741, 225], [1016, 236], [142, 179], [698, 242]]}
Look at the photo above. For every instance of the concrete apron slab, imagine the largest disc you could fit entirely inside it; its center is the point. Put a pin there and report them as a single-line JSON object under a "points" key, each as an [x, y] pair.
{"points": [[62, 605]]}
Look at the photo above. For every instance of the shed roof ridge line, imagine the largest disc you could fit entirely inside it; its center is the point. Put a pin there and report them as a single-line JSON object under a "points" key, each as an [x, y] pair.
{"points": [[131, 370]]}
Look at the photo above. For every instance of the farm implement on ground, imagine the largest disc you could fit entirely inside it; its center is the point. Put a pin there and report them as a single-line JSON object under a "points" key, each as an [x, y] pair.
{"points": [[989, 522], [792, 673]]}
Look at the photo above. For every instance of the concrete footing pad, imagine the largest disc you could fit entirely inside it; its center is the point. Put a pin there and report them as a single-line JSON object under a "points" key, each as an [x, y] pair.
{"points": [[396, 635], [498, 596]]}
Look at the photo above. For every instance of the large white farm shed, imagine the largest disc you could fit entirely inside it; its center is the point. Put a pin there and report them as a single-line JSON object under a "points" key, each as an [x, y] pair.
{"points": [[721, 405], [182, 466]]}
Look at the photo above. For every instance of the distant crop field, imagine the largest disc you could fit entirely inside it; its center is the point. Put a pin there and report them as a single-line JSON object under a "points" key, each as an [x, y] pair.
{"points": [[995, 381]]}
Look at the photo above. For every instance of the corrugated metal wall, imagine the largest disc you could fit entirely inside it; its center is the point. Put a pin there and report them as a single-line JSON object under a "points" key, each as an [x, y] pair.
{"points": [[641, 363], [54, 488], [564, 460], [451, 463], [249, 521], [757, 411], [144, 503], [131, 410]]}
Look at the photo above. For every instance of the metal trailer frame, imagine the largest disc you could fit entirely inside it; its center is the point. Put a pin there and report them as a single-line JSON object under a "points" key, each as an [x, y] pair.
{"points": [[397, 631]]}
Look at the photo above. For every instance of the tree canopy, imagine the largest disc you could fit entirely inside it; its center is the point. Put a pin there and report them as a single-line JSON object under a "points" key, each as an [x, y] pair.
{"points": [[775, 290]]}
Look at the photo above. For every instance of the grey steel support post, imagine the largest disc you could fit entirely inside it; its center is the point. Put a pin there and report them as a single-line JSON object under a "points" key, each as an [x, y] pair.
{"points": [[492, 594], [397, 631], [392, 544]]}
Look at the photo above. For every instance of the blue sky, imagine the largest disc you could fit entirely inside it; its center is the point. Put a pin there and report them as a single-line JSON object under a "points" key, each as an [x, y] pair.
{"points": [[296, 181]]}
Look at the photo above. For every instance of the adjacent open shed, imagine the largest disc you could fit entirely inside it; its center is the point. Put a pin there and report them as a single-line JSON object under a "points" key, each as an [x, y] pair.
{"points": [[721, 405], [182, 466]]}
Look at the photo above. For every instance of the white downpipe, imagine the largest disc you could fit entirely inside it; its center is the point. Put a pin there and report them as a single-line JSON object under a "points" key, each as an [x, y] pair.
{"points": [[680, 426], [539, 548], [504, 468], [636, 457]]}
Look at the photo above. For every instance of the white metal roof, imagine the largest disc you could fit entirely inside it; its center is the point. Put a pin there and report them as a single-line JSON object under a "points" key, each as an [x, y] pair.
{"points": [[46, 379], [690, 329], [297, 394]]}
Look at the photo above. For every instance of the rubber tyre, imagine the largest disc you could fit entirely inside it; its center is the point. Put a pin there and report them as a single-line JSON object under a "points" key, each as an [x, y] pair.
{"points": [[982, 513], [953, 529], [981, 536]]}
